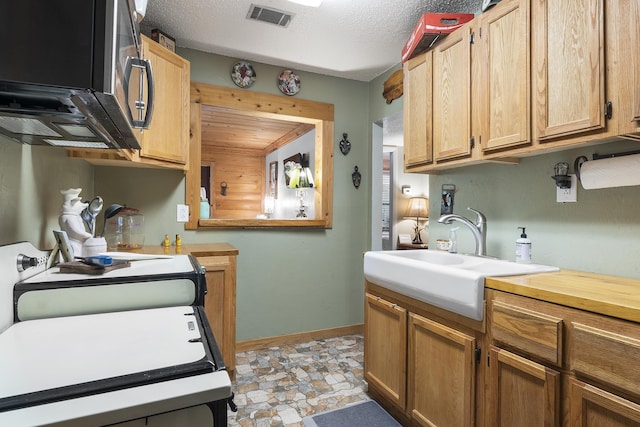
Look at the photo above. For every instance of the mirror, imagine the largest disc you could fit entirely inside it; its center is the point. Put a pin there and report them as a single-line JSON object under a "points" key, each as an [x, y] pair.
{"points": [[242, 141]]}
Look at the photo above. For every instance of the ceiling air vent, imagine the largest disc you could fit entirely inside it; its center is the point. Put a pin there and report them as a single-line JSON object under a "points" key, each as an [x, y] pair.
{"points": [[272, 16]]}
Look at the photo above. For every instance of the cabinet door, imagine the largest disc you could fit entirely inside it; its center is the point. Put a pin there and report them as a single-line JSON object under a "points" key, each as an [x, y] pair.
{"points": [[452, 96], [441, 374], [167, 138], [591, 407], [504, 87], [220, 304], [385, 344], [521, 392], [568, 62], [635, 41], [418, 120]]}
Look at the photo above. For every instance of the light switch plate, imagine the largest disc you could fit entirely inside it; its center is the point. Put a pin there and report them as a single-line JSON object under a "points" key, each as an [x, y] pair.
{"points": [[183, 213], [568, 195]]}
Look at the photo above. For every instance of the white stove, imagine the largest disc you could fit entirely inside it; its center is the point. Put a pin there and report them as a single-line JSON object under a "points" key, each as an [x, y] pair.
{"points": [[99, 350]]}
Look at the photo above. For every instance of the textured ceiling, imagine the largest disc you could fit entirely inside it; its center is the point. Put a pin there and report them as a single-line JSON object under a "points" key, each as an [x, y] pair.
{"points": [[353, 39]]}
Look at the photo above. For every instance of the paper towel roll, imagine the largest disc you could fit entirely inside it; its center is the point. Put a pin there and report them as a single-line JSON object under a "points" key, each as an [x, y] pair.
{"points": [[620, 171]]}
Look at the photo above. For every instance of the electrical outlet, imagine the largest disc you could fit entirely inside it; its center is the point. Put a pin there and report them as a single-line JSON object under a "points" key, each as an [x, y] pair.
{"points": [[183, 213], [567, 195]]}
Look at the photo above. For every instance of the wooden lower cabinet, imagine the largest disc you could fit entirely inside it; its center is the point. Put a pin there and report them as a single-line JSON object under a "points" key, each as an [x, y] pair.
{"points": [[385, 353], [546, 365], [593, 407], [220, 303], [552, 365], [441, 378], [521, 392], [420, 366]]}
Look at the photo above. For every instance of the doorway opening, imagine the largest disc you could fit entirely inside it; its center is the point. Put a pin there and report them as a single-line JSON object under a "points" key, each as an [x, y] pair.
{"points": [[388, 201]]}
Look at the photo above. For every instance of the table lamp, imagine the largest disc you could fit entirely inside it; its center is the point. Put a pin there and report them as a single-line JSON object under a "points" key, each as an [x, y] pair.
{"points": [[300, 179], [419, 209]]}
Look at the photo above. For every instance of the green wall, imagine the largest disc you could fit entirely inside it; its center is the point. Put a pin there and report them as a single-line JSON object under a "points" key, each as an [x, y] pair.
{"points": [[31, 178], [600, 233]]}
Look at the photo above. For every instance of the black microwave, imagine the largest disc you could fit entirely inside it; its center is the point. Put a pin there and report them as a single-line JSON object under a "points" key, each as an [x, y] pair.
{"points": [[72, 73]]}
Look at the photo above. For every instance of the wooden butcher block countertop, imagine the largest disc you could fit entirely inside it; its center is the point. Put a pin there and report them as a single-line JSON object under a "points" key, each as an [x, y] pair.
{"points": [[196, 249], [609, 295]]}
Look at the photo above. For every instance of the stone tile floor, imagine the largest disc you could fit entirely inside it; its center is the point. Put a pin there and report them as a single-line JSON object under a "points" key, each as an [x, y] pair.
{"points": [[279, 386]]}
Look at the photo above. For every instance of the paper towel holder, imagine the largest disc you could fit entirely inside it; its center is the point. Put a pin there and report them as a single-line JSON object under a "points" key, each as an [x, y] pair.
{"points": [[581, 159], [561, 177], [578, 164]]}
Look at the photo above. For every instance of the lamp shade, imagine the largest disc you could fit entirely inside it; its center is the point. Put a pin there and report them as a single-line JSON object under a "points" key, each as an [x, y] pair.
{"points": [[418, 208], [301, 176]]}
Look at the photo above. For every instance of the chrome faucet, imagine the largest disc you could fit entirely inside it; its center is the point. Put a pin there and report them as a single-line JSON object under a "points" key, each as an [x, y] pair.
{"points": [[479, 229]]}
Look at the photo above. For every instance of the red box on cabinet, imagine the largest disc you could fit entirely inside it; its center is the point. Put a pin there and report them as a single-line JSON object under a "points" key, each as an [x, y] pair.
{"points": [[430, 28]]}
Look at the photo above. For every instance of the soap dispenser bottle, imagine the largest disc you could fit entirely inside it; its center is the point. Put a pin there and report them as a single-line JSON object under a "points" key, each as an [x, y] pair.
{"points": [[523, 248], [453, 241], [205, 209]]}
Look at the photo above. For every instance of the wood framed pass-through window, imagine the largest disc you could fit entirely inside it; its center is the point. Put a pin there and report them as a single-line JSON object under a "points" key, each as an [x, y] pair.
{"points": [[229, 139]]}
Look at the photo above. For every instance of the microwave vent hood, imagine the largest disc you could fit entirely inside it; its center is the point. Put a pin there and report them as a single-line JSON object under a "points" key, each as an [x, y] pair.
{"points": [[51, 118], [71, 75]]}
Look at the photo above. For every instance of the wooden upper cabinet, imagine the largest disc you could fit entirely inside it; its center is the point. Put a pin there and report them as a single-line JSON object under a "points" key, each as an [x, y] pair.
{"points": [[635, 26], [623, 16], [503, 89], [167, 138], [452, 96], [622, 79], [166, 143], [568, 66], [418, 119]]}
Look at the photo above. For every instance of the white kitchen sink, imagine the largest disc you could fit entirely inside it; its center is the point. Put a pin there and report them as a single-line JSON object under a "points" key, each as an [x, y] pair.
{"points": [[454, 282]]}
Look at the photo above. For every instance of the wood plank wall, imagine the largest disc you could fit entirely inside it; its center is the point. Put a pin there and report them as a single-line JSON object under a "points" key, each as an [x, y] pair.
{"points": [[244, 172]]}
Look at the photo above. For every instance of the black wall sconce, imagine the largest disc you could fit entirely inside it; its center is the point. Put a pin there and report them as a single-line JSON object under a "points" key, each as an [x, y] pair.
{"points": [[561, 177], [223, 188], [356, 177], [345, 145]]}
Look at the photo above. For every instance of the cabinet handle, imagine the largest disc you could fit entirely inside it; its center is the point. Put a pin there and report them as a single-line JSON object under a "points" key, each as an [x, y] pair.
{"points": [[608, 110], [393, 305]]}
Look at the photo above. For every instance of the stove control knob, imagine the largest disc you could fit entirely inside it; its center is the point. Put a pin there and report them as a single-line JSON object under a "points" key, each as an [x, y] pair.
{"points": [[25, 262]]}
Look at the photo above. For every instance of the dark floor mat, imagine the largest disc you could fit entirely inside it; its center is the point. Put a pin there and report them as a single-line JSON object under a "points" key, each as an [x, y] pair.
{"points": [[364, 414]]}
